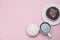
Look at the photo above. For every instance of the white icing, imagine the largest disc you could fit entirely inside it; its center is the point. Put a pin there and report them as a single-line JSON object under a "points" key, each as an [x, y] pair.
{"points": [[32, 29]]}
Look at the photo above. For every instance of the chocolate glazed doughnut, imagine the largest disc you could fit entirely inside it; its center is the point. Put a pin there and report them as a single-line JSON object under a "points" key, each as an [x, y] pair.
{"points": [[52, 13]]}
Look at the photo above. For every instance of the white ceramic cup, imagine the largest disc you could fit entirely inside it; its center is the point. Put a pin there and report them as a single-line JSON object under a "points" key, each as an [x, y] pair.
{"points": [[45, 28]]}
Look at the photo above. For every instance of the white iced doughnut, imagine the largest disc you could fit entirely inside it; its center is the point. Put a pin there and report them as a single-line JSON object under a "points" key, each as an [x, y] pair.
{"points": [[32, 29]]}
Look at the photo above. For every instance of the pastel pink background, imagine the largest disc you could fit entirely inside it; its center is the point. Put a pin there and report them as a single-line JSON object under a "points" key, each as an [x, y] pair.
{"points": [[16, 14]]}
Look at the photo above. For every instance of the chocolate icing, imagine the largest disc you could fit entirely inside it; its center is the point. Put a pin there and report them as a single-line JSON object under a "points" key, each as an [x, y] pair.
{"points": [[52, 13]]}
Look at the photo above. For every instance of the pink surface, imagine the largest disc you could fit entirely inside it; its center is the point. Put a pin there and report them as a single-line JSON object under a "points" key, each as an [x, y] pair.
{"points": [[16, 14]]}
